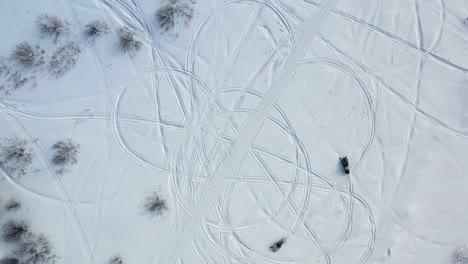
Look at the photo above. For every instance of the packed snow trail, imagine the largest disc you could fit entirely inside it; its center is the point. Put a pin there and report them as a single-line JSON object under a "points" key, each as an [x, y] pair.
{"points": [[188, 227]]}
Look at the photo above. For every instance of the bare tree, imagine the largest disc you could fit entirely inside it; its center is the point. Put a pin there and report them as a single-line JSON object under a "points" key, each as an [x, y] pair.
{"points": [[27, 55], [9, 261], [14, 231], [155, 204], [128, 41], [37, 249], [66, 154], [64, 59], [16, 156], [166, 17], [52, 26], [460, 255], [97, 28], [12, 205], [170, 14]]}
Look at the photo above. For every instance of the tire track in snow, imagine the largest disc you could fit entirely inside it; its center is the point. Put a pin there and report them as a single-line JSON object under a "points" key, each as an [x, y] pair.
{"points": [[431, 119], [420, 67], [57, 184], [353, 76], [245, 136], [295, 165], [139, 22], [396, 39], [88, 116], [371, 115], [38, 195], [222, 80]]}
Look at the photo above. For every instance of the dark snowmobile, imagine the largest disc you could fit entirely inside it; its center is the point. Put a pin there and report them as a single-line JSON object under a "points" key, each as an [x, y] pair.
{"points": [[278, 245], [345, 163]]}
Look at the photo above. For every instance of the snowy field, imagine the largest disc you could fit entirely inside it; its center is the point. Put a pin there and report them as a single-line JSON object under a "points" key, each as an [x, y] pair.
{"points": [[182, 132]]}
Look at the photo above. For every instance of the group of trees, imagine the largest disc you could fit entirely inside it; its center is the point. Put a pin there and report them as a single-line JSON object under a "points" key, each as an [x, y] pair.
{"points": [[16, 155], [28, 246], [27, 61]]}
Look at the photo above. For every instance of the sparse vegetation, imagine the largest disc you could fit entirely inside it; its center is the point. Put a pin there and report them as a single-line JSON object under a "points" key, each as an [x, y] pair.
{"points": [[64, 59], [115, 260], [15, 231], [27, 55], [66, 154], [176, 10], [14, 78], [37, 249], [52, 26], [16, 156], [460, 255], [155, 204], [97, 28], [12, 205], [9, 261], [128, 41]]}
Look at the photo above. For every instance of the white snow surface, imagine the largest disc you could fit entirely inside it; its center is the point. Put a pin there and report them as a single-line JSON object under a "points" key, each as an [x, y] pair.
{"points": [[238, 120]]}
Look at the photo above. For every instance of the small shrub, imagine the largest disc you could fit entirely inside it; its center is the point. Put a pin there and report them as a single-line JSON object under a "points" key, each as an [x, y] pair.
{"points": [[460, 255], [128, 40], [66, 154], [52, 26], [9, 261], [37, 249], [168, 15], [97, 28], [17, 156], [27, 55], [115, 260], [155, 204], [12, 205], [14, 231], [64, 59]]}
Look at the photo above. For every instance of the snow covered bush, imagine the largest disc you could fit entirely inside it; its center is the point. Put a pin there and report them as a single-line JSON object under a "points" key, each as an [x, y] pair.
{"points": [[52, 26], [176, 10], [97, 28], [12, 205], [16, 156], [64, 59], [14, 231], [128, 41], [66, 153], [460, 255], [36, 249], [115, 260], [9, 261], [27, 55], [155, 204]]}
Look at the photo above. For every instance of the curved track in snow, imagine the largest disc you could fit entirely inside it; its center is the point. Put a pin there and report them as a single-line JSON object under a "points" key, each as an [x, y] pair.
{"points": [[220, 155]]}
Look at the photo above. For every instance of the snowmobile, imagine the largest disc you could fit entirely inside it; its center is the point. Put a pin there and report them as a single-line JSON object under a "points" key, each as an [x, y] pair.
{"points": [[278, 245], [345, 163]]}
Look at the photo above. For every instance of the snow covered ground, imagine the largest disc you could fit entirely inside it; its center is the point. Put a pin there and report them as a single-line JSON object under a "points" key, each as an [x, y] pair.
{"points": [[237, 118]]}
